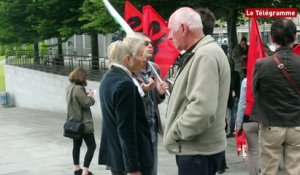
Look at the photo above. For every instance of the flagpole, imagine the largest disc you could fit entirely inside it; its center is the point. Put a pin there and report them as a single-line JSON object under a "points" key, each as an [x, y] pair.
{"points": [[117, 17], [127, 29], [158, 77]]}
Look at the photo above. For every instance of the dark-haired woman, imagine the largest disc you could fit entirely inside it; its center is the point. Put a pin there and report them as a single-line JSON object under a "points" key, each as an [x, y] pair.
{"points": [[79, 102]]}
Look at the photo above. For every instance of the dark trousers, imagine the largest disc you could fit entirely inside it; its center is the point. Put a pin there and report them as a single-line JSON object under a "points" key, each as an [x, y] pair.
{"points": [[90, 142], [199, 164]]}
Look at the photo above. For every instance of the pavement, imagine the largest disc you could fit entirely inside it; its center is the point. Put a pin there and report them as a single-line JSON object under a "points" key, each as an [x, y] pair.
{"points": [[31, 143]]}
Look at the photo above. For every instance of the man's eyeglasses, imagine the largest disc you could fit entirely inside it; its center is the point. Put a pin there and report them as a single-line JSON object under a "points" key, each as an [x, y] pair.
{"points": [[148, 42]]}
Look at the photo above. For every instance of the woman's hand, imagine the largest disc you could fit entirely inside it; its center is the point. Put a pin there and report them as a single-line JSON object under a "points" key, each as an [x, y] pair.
{"points": [[149, 86], [91, 93]]}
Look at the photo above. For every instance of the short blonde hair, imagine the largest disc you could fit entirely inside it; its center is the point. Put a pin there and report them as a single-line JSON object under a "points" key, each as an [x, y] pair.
{"points": [[131, 45]]}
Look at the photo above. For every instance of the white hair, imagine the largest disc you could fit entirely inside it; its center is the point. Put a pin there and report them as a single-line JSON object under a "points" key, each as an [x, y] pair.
{"points": [[188, 16], [131, 45]]}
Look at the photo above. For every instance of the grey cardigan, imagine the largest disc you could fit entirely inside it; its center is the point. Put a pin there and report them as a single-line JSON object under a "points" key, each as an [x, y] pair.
{"points": [[80, 101]]}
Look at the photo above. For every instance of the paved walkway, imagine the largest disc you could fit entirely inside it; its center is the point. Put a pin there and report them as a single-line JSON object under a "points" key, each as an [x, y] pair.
{"points": [[31, 143]]}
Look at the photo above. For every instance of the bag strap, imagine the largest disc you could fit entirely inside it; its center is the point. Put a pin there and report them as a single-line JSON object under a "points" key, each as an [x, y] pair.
{"points": [[286, 74], [71, 100]]}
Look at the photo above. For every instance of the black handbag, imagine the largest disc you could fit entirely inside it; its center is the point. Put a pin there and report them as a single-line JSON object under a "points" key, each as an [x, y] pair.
{"points": [[73, 128]]}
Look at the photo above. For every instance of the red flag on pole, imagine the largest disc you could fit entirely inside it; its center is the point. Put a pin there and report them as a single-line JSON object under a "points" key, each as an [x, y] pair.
{"points": [[165, 53], [255, 52], [297, 49], [133, 17]]}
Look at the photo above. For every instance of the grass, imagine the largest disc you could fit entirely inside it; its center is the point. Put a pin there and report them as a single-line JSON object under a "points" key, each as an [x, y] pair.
{"points": [[2, 82]]}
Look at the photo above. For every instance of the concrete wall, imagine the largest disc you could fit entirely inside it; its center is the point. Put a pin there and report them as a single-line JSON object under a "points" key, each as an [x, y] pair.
{"points": [[40, 90]]}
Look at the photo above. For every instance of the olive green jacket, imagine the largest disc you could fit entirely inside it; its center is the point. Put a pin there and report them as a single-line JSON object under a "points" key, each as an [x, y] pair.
{"points": [[80, 104]]}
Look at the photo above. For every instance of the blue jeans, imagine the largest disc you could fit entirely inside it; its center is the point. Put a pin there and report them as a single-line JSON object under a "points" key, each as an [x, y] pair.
{"points": [[199, 164], [154, 145], [154, 139], [233, 114]]}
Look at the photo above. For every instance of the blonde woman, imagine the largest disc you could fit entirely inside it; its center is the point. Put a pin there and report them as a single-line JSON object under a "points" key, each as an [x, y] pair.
{"points": [[126, 146]]}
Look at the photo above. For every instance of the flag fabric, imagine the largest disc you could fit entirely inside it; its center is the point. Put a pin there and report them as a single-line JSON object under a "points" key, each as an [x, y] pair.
{"points": [[241, 143], [255, 52], [165, 53], [133, 17], [297, 49]]}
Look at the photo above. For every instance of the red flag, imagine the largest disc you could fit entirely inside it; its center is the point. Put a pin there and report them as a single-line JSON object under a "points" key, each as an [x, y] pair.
{"points": [[165, 53], [255, 51], [241, 143], [297, 49], [133, 17]]}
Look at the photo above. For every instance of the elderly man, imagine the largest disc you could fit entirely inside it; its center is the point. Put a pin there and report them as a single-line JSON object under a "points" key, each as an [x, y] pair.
{"points": [[195, 124]]}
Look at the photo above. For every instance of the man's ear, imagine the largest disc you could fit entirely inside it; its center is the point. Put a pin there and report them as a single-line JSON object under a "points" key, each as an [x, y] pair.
{"points": [[183, 29]]}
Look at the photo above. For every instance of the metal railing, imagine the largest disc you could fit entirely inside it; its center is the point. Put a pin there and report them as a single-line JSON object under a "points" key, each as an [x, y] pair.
{"points": [[62, 65]]}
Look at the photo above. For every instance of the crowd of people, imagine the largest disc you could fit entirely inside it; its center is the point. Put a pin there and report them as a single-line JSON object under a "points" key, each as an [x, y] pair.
{"points": [[206, 105]]}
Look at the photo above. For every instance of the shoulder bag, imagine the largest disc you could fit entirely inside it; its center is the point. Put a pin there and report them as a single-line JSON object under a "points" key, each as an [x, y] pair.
{"points": [[286, 74], [73, 128]]}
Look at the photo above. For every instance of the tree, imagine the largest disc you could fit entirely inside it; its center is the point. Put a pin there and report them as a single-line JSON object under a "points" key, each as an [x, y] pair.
{"points": [[15, 24], [57, 19], [230, 11], [97, 20], [30, 21]]}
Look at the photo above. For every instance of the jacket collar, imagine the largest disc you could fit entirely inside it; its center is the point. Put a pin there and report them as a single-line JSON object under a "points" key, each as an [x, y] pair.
{"points": [[206, 40], [283, 49], [121, 67]]}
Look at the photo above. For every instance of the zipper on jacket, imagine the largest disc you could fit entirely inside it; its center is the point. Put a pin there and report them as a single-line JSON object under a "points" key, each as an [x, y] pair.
{"points": [[179, 145]]}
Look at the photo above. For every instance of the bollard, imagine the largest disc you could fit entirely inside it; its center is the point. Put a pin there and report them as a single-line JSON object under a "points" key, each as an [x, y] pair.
{"points": [[4, 99]]}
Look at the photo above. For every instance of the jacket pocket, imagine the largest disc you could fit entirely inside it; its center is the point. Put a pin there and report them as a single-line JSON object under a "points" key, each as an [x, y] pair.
{"points": [[179, 145], [269, 133]]}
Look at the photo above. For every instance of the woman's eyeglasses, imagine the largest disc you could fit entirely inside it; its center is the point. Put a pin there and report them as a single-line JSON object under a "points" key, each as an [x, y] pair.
{"points": [[147, 43]]}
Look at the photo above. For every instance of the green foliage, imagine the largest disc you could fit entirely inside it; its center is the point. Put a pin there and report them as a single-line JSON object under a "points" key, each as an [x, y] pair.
{"points": [[31, 21], [15, 24], [2, 80], [2, 50], [29, 51], [96, 17], [19, 51], [58, 18], [43, 49], [9, 51]]}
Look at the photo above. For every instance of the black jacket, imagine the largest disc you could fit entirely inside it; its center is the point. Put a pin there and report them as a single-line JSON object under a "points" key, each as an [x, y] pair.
{"points": [[235, 85], [276, 102], [126, 140]]}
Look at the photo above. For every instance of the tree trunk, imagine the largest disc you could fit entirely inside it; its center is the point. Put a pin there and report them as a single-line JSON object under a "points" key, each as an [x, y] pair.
{"points": [[231, 29], [36, 52], [59, 58], [95, 50]]}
